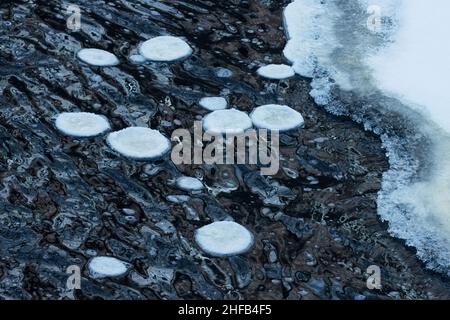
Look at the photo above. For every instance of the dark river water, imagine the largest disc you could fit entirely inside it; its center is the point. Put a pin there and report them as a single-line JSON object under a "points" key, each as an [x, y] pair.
{"points": [[62, 199]]}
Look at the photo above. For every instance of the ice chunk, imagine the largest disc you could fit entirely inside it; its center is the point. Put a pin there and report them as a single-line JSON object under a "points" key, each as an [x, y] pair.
{"points": [[276, 117], [102, 267], [81, 124], [229, 121], [137, 59], [139, 143], [224, 238], [422, 42], [213, 103], [189, 184], [97, 57], [276, 71], [178, 198], [165, 48], [223, 72]]}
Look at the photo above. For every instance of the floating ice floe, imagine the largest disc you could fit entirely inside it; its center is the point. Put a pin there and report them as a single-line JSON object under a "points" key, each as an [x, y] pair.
{"points": [[224, 238], [81, 124], [276, 71], [165, 48], [137, 59], [97, 57], [178, 198], [276, 117], [189, 184], [229, 121], [213, 103], [102, 267], [223, 72], [139, 143]]}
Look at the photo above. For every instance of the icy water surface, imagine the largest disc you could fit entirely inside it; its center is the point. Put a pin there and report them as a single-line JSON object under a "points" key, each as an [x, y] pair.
{"points": [[65, 200]]}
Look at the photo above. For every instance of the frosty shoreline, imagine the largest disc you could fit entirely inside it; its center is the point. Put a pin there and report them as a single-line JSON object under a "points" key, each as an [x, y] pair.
{"points": [[368, 75]]}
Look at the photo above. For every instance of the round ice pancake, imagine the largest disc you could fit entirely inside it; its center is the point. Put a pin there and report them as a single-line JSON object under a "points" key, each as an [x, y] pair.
{"points": [[139, 143], [137, 59], [229, 121], [81, 124], [276, 71], [276, 117], [224, 238], [97, 57], [165, 48], [102, 267], [189, 184], [213, 103]]}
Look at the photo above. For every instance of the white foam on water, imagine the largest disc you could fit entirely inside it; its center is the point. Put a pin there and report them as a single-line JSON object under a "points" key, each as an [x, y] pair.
{"points": [[102, 267], [276, 71], [189, 184], [165, 48], [224, 238], [403, 69], [139, 143], [213, 103], [81, 124], [276, 117], [97, 57], [230, 121]]}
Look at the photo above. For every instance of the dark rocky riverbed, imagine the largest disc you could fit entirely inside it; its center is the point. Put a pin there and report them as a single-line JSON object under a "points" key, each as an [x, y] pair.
{"points": [[63, 199]]}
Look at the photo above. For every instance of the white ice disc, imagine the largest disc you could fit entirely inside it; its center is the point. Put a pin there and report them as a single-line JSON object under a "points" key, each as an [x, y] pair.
{"points": [[276, 71], [213, 103], [97, 57], [102, 267], [276, 117], [224, 238], [81, 124], [165, 48], [139, 143], [230, 121]]}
